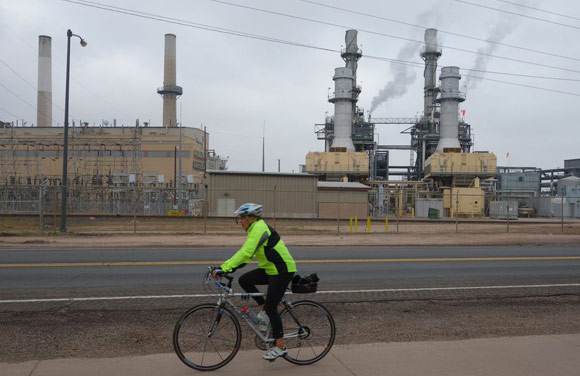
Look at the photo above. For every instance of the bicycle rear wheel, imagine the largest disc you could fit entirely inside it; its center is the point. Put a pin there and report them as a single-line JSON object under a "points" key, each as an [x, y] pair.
{"points": [[207, 337], [309, 332]]}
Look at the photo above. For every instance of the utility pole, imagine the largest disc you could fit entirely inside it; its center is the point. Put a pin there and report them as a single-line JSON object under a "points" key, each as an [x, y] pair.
{"points": [[174, 177], [179, 206], [278, 165]]}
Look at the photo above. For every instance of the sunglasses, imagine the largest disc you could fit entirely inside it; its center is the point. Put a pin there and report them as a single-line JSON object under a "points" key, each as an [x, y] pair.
{"points": [[239, 219]]}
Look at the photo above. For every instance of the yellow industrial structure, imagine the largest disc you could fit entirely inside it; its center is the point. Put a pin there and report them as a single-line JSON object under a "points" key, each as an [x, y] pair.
{"points": [[104, 155], [335, 166], [482, 165], [458, 176]]}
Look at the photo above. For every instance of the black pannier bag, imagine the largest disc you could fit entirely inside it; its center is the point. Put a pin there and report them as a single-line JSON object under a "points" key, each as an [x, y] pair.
{"points": [[305, 285]]}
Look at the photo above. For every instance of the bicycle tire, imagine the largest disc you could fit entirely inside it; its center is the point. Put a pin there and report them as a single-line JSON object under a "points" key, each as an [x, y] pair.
{"points": [[316, 332], [203, 345]]}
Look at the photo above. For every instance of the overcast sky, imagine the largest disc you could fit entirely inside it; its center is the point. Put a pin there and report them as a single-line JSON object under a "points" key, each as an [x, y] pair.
{"points": [[234, 85]]}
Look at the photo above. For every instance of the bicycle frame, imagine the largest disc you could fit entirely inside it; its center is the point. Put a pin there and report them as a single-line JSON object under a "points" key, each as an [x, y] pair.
{"points": [[223, 300]]}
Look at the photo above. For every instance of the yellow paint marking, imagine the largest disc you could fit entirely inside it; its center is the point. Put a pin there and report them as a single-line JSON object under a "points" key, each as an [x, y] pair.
{"points": [[340, 261]]}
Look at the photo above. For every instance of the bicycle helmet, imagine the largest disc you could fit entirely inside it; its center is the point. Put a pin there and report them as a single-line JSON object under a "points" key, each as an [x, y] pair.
{"points": [[249, 209]]}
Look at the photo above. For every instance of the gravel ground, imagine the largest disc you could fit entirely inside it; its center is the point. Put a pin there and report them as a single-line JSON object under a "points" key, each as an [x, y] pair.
{"points": [[95, 334]]}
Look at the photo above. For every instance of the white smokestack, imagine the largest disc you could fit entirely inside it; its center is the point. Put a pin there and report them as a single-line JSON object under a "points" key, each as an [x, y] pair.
{"points": [[430, 53], [343, 113], [449, 97], [170, 90], [44, 98]]}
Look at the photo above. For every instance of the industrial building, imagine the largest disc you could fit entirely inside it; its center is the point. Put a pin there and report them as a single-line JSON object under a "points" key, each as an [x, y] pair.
{"points": [[166, 156], [158, 169], [439, 139], [282, 194], [285, 195], [446, 176]]}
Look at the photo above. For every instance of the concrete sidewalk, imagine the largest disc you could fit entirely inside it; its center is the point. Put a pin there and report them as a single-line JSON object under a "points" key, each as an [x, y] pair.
{"points": [[553, 355]]}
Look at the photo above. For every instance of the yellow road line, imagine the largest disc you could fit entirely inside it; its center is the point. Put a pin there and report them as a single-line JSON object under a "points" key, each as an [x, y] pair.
{"points": [[340, 261]]}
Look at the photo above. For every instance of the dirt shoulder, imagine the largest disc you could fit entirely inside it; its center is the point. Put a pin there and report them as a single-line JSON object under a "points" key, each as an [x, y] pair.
{"points": [[212, 240], [172, 232], [99, 334]]}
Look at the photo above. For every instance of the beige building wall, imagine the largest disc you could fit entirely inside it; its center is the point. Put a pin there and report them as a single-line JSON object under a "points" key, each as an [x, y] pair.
{"points": [[283, 195], [146, 152], [332, 210], [344, 200]]}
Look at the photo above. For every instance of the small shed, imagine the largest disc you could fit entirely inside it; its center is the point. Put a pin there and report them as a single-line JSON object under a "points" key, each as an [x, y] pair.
{"points": [[283, 195], [342, 200]]}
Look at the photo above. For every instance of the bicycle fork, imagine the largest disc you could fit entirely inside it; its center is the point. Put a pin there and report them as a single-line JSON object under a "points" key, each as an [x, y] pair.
{"points": [[216, 322]]}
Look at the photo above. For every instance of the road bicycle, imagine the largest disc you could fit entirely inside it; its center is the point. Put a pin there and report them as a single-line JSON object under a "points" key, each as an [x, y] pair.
{"points": [[208, 336]]}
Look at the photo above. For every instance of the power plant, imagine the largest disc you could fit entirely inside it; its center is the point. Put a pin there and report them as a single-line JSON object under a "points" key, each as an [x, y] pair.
{"points": [[156, 169], [444, 167], [106, 155]]}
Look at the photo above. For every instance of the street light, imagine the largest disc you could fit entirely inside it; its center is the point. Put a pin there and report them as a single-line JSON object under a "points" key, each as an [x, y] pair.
{"points": [[69, 34]]}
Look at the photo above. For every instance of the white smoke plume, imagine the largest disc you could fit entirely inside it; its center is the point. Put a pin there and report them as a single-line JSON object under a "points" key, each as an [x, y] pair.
{"points": [[404, 75], [498, 32]]}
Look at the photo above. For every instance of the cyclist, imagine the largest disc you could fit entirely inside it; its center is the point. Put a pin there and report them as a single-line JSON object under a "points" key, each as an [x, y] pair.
{"points": [[276, 267]]}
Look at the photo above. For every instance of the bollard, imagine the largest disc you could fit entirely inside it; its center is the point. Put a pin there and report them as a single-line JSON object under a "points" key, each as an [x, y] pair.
{"points": [[368, 224], [350, 221], [386, 224], [355, 224]]}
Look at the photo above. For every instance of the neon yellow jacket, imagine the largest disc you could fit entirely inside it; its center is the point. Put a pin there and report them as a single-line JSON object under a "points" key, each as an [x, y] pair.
{"points": [[264, 244]]}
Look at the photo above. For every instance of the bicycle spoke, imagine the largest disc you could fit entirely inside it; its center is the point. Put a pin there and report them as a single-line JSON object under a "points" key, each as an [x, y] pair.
{"points": [[203, 344], [315, 335], [216, 350]]}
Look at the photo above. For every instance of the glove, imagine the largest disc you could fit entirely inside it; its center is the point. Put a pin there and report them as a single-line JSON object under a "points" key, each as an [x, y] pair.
{"points": [[217, 272]]}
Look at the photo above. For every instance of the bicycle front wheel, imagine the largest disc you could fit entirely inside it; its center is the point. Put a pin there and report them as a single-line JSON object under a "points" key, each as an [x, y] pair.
{"points": [[309, 332], [207, 337]]}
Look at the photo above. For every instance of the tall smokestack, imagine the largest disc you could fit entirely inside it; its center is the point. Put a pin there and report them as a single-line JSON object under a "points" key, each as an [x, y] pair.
{"points": [[449, 97], [430, 53], [170, 90], [346, 94], [343, 99], [44, 98], [351, 55]]}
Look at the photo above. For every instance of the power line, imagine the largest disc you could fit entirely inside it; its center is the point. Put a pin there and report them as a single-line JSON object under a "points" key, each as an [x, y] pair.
{"points": [[16, 73], [421, 65], [524, 85], [28, 83], [17, 96], [439, 30], [259, 37], [396, 37], [10, 113], [195, 25], [518, 14], [117, 110], [539, 10]]}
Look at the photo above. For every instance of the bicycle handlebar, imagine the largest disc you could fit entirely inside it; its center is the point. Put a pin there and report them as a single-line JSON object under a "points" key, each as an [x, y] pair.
{"points": [[227, 288]]}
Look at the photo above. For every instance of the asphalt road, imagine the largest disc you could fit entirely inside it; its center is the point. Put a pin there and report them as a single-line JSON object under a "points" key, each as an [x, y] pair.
{"points": [[86, 272]]}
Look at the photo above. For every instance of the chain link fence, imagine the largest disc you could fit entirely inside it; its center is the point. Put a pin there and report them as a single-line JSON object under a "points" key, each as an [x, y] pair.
{"points": [[382, 210]]}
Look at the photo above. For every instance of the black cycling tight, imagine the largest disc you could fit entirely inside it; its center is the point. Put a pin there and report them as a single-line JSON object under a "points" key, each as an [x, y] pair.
{"points": [[277, 285]]}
